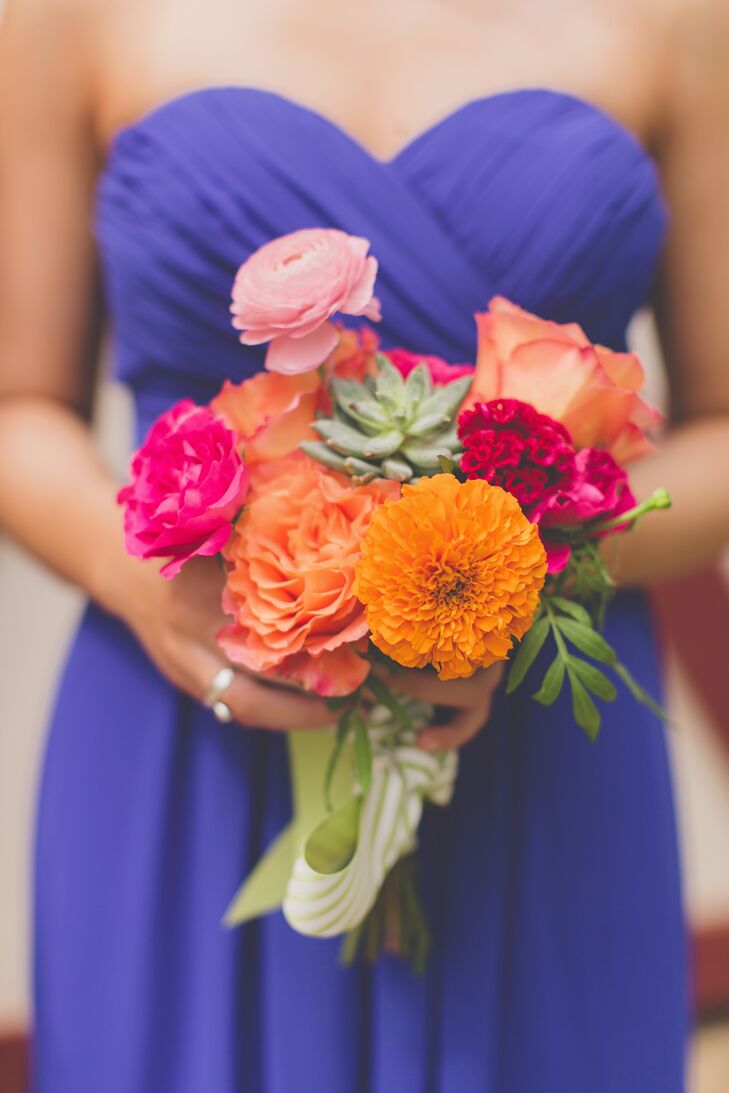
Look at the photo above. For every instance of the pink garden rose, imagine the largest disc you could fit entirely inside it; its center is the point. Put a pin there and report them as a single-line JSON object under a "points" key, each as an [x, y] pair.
{"points": [[598, 491], [440, 371], [187, 484], [591, 390], [289, 289]]}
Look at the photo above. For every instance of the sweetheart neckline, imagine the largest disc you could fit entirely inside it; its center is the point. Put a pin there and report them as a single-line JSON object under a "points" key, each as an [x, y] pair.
{"points": [[160, 109]]}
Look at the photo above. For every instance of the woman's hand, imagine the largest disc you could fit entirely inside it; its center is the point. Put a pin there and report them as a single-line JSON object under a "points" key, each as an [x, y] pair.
{"points": [[469, 699], [176, 621]]}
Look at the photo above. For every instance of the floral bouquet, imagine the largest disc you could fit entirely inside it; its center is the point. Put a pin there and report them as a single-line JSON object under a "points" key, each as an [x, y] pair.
{"points": [[380, 508]]}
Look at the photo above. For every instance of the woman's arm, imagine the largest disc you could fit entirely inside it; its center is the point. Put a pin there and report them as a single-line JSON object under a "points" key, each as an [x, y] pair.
{"points": [[48, 321], [693, 313], [56, 497]]}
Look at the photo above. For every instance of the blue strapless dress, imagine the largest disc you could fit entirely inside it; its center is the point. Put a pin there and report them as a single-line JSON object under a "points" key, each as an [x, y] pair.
{"points": [[552, 882]]}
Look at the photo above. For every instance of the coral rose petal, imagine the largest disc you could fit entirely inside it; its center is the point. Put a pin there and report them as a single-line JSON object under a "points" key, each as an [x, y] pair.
{"points": [[330, 674]]}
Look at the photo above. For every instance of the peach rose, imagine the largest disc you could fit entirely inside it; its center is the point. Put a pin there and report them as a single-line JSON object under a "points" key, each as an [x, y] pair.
{"points": [[272, 413], [291, 562], [592, 390], [288, 290]]}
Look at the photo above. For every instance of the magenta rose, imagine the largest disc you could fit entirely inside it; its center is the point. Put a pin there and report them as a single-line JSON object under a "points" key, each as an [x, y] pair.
{"points": [[289, 289], [188, 481], [441, 371], [599, 490]]}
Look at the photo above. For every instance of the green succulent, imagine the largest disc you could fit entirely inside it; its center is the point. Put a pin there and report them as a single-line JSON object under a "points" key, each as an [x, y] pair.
{"points": [[389, 426]]}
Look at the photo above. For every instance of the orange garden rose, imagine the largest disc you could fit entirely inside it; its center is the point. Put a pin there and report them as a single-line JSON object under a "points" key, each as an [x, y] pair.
{"points": [[272, 413], [591, 390], [291, 562], [449, 574]]}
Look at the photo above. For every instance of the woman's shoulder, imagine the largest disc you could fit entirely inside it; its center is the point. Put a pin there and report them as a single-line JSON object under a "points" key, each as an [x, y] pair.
{"points": [[687, 44]]}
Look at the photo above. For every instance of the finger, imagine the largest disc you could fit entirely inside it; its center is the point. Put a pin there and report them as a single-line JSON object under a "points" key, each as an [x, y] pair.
{"points": [[461, 728], [255, 705], [259, 706], [195, 607], [459, 693]]}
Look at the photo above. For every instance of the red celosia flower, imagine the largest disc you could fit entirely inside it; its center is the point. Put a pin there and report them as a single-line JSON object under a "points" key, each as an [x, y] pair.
{"points": [[509, 444]]}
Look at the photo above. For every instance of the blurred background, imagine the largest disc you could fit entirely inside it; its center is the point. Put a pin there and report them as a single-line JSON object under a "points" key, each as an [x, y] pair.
{"points": [[38, 614]]}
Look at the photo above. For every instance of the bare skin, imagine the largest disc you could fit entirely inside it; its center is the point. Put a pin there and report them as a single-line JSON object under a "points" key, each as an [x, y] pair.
{"points": [[73, 71]]}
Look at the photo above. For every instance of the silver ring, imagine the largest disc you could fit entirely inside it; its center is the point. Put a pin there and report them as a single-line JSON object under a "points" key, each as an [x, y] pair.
{"points": [[221, 681], [222, 711]]}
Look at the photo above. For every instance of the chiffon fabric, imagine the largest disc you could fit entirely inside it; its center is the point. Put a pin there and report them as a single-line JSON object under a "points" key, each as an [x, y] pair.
{"points": [[552, 882]]}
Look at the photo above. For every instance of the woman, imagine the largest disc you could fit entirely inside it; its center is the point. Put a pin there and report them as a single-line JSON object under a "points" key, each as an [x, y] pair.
{"points": [[552, 882]]}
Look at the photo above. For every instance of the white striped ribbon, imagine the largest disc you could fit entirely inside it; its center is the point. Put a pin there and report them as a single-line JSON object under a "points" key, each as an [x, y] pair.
{"points": [[369, 834]]}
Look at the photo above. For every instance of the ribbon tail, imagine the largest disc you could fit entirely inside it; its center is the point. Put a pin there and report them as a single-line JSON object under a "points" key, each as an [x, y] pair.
{"points": [[264, 889]]}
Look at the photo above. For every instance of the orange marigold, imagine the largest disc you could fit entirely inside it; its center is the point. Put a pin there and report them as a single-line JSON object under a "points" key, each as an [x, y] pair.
{"points": [[449, 574]]}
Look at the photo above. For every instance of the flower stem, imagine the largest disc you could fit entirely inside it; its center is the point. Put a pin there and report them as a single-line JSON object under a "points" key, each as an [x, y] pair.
{"points": [[659, 499], [396, 924]]}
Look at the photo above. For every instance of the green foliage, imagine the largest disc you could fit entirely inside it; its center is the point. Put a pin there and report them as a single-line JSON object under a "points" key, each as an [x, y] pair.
{"points": [[362, 752], [384, 695], [527, 652], [552, 682], [570, 624]]}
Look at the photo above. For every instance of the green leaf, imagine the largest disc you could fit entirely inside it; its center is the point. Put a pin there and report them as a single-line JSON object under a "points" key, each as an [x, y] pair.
{"points": [[587, 640], [343, 726], [639, 694], [384, 695], [595, 680], [360, 469], [397, 469], [552, 682], [584, 709], [448, 397], [338, 702], [418, 386], [377, 447], [323, 454], [389, 385], [342, 437], [530, 645], [426, 455], [362, 753], [331, 845], [570, 607], [428, 423], [446, 464]]}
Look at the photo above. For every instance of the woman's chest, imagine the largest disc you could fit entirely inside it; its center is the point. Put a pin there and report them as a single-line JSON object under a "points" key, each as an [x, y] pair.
{"points": [[383, 73]]}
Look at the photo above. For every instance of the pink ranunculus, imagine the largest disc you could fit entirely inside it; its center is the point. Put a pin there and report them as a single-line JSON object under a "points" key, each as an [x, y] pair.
{"points": [[288, 290], [591, 390], [187, 484], [440, 371]]}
